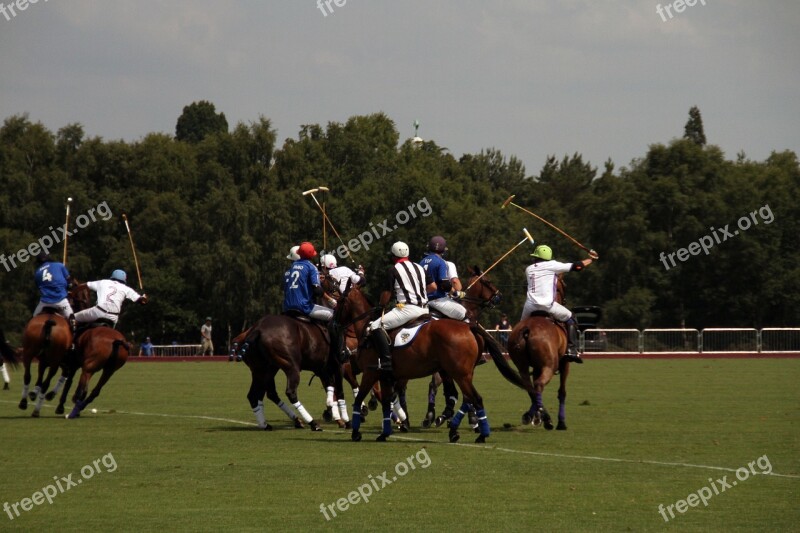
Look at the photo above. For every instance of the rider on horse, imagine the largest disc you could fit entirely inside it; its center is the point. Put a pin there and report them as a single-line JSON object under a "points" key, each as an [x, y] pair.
{"points": [[438, 280], [340, 274], [542, 279], [111, 294], [301, 284], [406, 280], [52, 278]]}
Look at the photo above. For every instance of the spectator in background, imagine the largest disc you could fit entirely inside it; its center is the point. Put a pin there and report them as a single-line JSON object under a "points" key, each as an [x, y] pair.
{"points": [[146, 348], [502, 335], [206, 346]]}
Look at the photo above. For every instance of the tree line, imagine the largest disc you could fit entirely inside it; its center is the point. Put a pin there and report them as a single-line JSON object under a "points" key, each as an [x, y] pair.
{"points": [[214, 211]]}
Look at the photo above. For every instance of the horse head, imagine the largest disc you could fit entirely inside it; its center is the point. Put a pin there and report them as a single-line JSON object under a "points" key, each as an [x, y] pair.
{"points": [[80, 297], [481, 292], [352, 308]]}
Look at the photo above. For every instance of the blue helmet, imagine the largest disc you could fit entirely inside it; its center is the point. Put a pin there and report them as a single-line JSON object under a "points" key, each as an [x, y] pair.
{"points": [[119, 275]]}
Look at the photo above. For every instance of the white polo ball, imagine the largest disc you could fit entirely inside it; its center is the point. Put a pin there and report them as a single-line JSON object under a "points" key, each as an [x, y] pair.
{"points": [[94, 411]]}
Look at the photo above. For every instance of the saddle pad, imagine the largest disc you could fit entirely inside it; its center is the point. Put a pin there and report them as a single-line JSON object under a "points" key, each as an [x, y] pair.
{"points": [[406, 336]]}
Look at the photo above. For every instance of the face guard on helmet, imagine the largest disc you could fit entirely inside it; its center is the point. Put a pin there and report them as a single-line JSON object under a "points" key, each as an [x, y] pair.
{"points": [[400, 249]]}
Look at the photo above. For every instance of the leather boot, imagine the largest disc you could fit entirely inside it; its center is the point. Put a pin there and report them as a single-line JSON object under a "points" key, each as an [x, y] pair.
{"points": [[380, 340], [572, 343]]}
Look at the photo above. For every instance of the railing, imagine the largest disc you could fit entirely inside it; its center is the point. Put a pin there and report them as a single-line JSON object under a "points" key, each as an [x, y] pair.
{"points": [[175, 350], [682, 340]]}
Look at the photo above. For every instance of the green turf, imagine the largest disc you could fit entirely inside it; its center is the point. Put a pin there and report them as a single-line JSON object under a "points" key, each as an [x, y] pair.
{"points": [[186, 473]]}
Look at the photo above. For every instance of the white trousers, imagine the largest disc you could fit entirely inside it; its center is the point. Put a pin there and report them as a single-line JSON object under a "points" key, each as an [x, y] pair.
{"points": [[63, 307], [321, 313], [557, 311], [397, 317], [92, 314], [448, 308]]}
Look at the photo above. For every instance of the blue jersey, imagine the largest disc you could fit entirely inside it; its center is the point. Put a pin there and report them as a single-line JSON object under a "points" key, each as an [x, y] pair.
{"points": [[435, 272], [298, 286], [51, 278]]}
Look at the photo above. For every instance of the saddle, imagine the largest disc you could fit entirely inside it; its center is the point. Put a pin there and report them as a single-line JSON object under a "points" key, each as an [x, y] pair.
{"points": [[297, 315], [545, 314], [47, 310], [403, 336], [99, 323]]}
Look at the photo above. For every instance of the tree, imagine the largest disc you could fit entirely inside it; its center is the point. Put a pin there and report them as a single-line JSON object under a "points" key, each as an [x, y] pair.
{"points": [[694, 127], [198, 120]]}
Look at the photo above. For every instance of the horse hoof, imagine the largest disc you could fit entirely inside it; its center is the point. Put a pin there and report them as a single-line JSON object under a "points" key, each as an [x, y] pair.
{"points": [[49, 396], [362, 417], [356, 436], [373, 404], [315, 426], [382, 437], [426, 423], [267, 428], [548, 425], [537, 419], [454, 436], [441, 419], [327, 416], [298, 424], [527, 419], [6, 387], [404, 427], [60, 410], [348, 425], [561, 425], [340, 423], [32, 396], [35, 414], [364, 410], [23, 404], [481, 439]]}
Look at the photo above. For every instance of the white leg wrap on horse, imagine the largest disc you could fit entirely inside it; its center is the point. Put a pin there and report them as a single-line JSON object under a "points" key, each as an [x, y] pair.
{"points": [[288, 410], [329, 398], [5, 373], [355, 392], [401, 415], [59, 384], [36, 390], [343, 410], [302, 410], [335, 411], [24, 391], [258, 410], [39, 402]]}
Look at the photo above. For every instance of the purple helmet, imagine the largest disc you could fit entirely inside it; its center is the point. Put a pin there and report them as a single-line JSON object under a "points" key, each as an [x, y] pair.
{"points": [[437, 244]]}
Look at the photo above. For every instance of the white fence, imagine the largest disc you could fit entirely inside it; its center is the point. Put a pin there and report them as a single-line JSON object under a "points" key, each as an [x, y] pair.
{"points": [[683, 340], [175, 350]]}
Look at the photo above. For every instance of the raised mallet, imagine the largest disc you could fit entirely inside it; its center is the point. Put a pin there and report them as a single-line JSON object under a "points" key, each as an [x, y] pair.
{"points": [[325, 217], [133, 249], [509, 202], [66, 231], [324, 190], [528, 237]]}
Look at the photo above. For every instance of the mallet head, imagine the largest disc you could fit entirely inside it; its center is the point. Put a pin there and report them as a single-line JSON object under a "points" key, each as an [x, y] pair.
{"points": [[69, 200], [323, 188], [508, 201], [528, 235], [310, 191]]}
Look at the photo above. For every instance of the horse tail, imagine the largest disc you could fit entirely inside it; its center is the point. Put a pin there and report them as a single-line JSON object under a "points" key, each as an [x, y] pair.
{"points": [[7, 352], [47, 331], [498, 357], [112, 360]]}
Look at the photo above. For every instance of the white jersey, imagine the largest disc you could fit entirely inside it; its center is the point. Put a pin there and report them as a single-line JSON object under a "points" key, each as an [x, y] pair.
{"points": [[542, 280], [111, 294], [341, 274], [452, 271]]}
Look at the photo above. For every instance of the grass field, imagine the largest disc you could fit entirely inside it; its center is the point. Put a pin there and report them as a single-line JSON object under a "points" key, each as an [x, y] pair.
{"points": [[188, 458]]}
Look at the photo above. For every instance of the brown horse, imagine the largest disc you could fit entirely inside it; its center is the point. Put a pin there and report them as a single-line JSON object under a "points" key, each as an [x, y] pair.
{"points": [[538, 343], [47, 337], [448, 345], [100, 348], [280, 342]]}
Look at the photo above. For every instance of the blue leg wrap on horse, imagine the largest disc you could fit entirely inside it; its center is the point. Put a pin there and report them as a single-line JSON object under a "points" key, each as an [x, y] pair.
{"points": [[456, 420], [539, 404], [387, 420], [562, 411], [483, 422], [356, 418]]}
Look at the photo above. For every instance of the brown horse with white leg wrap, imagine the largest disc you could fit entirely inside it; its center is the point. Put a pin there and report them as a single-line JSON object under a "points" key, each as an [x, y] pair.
{"points": [[47, 337]]}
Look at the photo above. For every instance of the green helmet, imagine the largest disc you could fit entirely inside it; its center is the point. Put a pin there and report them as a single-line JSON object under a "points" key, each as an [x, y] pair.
{"points": [[543, 252]]}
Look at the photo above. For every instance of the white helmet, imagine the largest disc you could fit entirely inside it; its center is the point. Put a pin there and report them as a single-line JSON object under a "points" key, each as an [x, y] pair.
{"points": [[293, 256], [328, 261], [400, 249]]}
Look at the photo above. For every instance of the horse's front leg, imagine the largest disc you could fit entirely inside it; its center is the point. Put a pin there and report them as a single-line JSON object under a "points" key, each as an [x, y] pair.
{"points": [[387, 392], [368, 379]]}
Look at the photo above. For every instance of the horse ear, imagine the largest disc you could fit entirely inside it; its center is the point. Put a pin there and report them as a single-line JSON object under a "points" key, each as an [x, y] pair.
{"points": [[476, 270]]}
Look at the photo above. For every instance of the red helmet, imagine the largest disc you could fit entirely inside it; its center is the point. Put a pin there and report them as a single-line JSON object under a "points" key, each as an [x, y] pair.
{"points": [[306, 251]]}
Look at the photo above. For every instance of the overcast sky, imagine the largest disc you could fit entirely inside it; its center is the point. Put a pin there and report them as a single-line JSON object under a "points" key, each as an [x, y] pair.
{"points": [[531, 78]]}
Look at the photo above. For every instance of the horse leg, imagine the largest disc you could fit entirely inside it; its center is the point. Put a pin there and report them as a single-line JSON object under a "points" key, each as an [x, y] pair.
{"points": [[399, 406], [338, 383], [272, 394], [42, 392], [562, 396], [60, 383], [451, 397], [80, 394], [70, 374], [433, 387], [375, 398], [256, 398], [292, 382], [472, 401], [368, 379], [387, 392], [26, 381], [538, 386], [527, 380]]}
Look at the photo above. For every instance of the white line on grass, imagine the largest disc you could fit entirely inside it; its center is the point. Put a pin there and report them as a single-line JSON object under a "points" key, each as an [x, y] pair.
{"points": [[481, 447]]}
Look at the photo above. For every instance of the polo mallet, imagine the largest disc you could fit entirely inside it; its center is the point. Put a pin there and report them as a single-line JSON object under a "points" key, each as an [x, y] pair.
{"points": [[528, 237], [133, 249], [66, 231], [325, 217], [509, 202]]}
